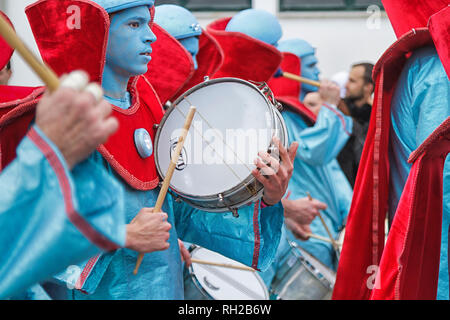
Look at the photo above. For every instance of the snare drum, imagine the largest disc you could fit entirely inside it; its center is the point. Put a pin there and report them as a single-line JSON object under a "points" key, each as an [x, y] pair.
{"points": [[303, 277], [235, 120], [206, 282]]}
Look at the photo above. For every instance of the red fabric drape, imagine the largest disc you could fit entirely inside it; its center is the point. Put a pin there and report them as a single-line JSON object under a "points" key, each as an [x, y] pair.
{"points": [[405, 15], [364, 235], [439, 27], [171, 66], [409, 267]]}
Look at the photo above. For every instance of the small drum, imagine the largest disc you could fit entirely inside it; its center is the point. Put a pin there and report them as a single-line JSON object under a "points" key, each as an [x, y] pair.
{"points": [[303, 277], [235, 120], [206, 282]]}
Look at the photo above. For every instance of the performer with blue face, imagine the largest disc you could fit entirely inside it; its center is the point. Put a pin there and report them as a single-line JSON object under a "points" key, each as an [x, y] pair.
{"points": [[128, 54], [182, 25], [255, 232], [307, 54]]}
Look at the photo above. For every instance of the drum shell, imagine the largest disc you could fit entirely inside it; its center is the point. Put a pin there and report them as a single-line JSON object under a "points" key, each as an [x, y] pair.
{"points": [[247, 191]]}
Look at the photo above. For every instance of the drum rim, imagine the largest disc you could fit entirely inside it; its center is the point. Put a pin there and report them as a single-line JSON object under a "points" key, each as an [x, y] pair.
{"points": [[200, 287], [226, 208], [310, 267], [250, 178]]}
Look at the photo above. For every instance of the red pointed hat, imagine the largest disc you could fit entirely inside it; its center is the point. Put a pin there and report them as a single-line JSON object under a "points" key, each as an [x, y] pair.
{"points": [[5, 50], [246, 58], [410, 14], [210, 58], [66, 47], [286, 90]]}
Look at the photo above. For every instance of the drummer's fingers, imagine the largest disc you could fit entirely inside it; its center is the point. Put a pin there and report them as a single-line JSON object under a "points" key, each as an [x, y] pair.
{"points": [[270, 161], [304, 231], [267, 181], [185, 255], [264, 169]]}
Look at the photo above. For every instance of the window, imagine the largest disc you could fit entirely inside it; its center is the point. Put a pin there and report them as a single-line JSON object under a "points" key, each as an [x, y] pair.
{"points": [[208, 5], [322, 5]]}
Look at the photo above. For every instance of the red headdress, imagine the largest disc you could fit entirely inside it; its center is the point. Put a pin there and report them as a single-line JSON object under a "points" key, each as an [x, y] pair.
{"points": [[287, 91], [171, 71], [364, 239], [210, 58], [244, 57]]}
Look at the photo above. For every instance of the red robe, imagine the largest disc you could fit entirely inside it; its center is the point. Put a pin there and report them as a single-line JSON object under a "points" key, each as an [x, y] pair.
{"points": [[364, 239]]}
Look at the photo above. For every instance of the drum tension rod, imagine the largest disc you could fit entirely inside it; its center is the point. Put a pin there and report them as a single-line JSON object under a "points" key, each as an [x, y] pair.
{"points": [[234, 211]]}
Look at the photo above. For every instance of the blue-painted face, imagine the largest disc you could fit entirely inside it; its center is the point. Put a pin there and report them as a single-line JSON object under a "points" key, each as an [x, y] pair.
{"points": [[310, 71], [191, 44], [130, 39]]}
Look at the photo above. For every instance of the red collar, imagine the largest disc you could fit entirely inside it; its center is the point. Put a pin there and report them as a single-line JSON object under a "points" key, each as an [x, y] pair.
{"points": [[120, 149]]}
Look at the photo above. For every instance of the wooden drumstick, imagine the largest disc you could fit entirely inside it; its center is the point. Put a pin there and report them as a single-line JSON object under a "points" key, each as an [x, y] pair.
{"points": [[169, 174], [44, 72], [333, 242], [225, 265], [300, 79], [316, 236]]}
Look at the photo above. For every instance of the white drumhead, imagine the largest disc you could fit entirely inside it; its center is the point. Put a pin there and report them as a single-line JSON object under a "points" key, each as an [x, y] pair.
{"points": [[232, 123], [323, 270], [224, 283]]}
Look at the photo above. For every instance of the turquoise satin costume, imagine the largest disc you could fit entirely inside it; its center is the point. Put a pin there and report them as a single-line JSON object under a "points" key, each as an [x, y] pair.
{"points": [[420, 104], [51, 217], [320, 175]]}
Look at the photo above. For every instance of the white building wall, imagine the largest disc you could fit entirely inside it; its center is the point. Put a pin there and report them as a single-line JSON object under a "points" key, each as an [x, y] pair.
{"points": [[22, 74], [341, 38]]}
